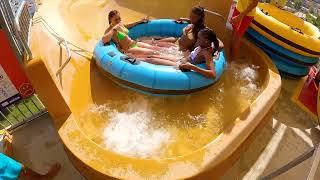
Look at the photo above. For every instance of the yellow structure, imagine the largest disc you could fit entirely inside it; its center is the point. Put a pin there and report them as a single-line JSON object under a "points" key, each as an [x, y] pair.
{"points": [[287, 30], [279, 3], [69, 96]]}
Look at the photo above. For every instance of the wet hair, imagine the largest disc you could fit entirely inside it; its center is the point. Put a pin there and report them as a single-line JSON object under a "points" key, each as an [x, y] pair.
{"points": [[111, 14], [211, 36], [198, 10]]}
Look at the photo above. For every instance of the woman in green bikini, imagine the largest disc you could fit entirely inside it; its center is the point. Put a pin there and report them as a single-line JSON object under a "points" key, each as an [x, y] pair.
{"points": [[118, 33]]}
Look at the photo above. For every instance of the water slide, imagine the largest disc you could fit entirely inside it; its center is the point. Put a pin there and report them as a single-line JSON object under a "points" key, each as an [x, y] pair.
{"points": [[112, 132]]}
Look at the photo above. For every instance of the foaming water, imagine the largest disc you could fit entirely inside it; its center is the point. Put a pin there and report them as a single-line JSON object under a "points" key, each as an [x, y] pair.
{"points": [[174, 51], [247, 77], [178, 125], [132, 133], [137, 125]]}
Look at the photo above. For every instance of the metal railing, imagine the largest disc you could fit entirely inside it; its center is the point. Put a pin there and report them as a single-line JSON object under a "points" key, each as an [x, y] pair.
{"points": [[7, 23], [18, 25], [23, 24], [21, 112], [215, 14], [71, 46], [68, 56], [16, 21]]}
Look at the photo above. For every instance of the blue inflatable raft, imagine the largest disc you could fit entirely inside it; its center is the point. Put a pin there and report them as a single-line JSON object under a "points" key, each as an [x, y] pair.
{"points": [[287, 62], [150, 78]]}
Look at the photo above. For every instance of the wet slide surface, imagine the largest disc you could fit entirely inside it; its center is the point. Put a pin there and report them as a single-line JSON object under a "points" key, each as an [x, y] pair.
{"points": [[131, 124], [138, 125]]}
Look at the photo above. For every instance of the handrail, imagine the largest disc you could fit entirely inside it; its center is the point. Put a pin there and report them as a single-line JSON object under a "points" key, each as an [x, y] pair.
{"points": [[57, 36], [23, 24], [215, 13], [308, 154], [315, 164], [68, 56]]}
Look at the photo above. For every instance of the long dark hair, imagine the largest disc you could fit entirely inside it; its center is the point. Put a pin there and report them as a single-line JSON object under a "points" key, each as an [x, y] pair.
{"points": [[111, 14], [198, 10], [211, 36]]}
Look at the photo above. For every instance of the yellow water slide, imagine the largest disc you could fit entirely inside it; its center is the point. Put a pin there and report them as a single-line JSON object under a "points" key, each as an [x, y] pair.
{"points": [[112, 132]]}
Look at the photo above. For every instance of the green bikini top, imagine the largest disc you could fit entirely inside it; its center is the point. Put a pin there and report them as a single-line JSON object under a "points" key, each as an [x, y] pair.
{"points": [[122, 34]]}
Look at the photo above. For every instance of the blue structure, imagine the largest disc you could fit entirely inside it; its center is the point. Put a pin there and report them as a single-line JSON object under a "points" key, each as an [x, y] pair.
{"points": [[288, 62], [150, 78]]}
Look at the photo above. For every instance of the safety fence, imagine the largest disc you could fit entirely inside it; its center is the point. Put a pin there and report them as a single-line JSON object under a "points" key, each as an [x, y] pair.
{"points": [[16, 21], [21, 112]]}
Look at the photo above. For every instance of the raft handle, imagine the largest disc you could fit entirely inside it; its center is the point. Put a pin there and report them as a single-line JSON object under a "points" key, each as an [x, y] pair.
{"points": [[111, 54], [129, 60], [296, 29], [265, 12], [181, 22]]}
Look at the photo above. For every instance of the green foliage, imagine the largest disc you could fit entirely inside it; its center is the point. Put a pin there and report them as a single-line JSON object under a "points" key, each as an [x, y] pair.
{"points": [[313, 20], [298, 4]]}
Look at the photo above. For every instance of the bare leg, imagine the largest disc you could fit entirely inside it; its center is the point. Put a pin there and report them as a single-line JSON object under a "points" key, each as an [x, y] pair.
{"points": [[147, 41], [141, 50], [137, 55], [166, 57], [154, 59], [29, 174], [159, 61], [148, 46], [163, 57], [169, 39], [166, 44], [160, 43], [237, 34]]}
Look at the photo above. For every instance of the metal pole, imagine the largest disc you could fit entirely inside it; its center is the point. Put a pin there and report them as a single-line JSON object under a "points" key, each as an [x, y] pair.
{"points": [[17, 107], [7, 21], [35, 105], [216, 14], [22, 22], [24, 103], [68, 56], [290, 165], [12, 114], [5, 117], [315, 164]]}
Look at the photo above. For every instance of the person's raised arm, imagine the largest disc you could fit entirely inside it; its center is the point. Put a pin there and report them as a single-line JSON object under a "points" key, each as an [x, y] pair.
{"points": [[251, 6], [221, 45], [183, 19], [210, 72], [143, 20], [238, 18], [109, 33]]}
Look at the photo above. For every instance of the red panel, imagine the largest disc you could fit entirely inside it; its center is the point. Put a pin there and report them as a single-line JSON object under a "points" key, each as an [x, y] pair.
{"points": [[309, 93], [10, 64]]}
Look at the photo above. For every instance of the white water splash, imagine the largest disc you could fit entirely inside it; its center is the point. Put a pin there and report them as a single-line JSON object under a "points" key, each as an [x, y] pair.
{"points": [[174, 51], [247, 75], [99, 109], [131, 134]]}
